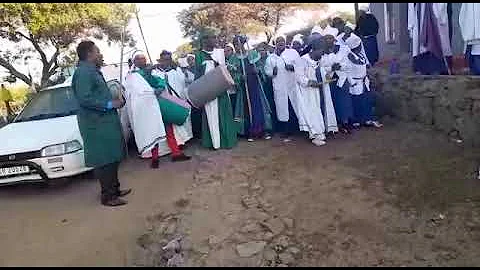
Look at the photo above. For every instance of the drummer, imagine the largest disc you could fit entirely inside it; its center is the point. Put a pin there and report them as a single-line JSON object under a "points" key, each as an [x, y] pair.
{"points": [[218, 127], [177, 82], [159, 84]]}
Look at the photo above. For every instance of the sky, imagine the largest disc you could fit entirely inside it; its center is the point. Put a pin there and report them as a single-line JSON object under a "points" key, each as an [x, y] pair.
{"points": [[162, 30]]}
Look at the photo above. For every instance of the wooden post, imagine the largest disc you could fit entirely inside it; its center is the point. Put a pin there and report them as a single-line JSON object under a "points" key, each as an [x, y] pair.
{"points": [[143, 37], [356, 12], [121, 52]]}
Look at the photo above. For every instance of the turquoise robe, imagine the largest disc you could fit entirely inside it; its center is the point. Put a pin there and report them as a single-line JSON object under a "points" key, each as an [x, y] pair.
{"points": [[100, 127]]}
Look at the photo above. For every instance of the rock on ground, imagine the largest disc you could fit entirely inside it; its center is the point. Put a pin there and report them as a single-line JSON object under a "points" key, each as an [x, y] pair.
{"points": [[251, 248]]}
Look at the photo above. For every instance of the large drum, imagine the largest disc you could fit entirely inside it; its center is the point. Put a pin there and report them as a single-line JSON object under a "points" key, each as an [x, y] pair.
{"points": [[174, 110], [211, 85]]}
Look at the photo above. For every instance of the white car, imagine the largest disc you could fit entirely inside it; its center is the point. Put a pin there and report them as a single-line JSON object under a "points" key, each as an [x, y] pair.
{"points": [[44, 142]]}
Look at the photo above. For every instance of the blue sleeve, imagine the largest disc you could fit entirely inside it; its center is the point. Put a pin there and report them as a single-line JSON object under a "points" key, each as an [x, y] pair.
{"points": [[109, 105]]}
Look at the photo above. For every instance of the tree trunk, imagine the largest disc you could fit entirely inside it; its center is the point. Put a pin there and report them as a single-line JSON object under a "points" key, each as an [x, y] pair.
{"points": [[269, 37]]}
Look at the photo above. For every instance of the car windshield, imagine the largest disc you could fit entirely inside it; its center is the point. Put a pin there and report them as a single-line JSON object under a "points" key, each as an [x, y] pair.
{"points": [[50, 103]]}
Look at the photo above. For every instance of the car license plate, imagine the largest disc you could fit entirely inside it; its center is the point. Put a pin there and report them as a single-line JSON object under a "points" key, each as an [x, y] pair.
{"points": [[14, 170]]}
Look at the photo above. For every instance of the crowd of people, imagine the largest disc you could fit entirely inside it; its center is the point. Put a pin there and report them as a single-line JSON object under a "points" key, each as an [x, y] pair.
{"points": [[316, 85]]}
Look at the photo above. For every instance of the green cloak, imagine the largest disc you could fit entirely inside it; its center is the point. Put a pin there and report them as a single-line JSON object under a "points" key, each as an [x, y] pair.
{"points": [[100, 127], [240, 113], [228, 128]]}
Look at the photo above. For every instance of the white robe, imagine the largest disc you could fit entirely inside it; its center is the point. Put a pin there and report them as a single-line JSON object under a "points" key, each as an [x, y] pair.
{"points": [[352, 35], [176, 79], [341, 57], [284, 84], [211, 108], [469, 20], [359, 77], [144, 115], [440, 12], [329, 116], [309, 104]]}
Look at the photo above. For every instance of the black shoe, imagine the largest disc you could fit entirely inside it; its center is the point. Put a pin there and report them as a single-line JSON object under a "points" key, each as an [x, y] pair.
{"points": [[155, 164], [125, 192], [181, 157], [345, 130], [114, 202], [330, 135]]}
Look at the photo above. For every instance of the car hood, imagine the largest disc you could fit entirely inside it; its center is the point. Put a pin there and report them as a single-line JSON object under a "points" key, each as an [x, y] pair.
{"points": [[34, 135]]}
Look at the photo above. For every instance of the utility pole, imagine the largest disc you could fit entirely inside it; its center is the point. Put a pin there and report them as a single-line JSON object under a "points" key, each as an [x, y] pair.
{"points": [[122, 39], [356, 12], [143, 37]]}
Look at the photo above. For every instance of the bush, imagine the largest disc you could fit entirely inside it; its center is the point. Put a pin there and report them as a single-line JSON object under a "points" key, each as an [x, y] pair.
{"points": [[20, 95]]}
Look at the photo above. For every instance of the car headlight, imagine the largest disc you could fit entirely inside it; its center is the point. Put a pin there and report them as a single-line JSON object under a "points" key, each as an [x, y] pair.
{"points": [[61, 149]]}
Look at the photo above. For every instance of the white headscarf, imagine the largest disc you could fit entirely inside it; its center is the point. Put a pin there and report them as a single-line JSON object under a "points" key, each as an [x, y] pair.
{"points": [[350, 25], [182, 62], [329, 30], [365, 8], [135, 54], [317, 29], [231, 46], [298, 38], [353, 41]]}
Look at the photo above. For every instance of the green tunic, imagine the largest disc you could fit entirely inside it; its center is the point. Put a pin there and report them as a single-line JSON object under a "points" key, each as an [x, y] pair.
{"points": [[241, 114], [100, 127], [157, 83], [228, 128]]}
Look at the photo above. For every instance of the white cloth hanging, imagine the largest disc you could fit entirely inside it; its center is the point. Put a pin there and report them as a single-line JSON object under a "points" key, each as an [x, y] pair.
{"points": [[469, 20]]}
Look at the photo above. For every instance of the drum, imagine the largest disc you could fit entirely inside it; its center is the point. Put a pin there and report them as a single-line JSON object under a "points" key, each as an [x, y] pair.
{"points": [[210, 86], [174, 110], [116, 89]]}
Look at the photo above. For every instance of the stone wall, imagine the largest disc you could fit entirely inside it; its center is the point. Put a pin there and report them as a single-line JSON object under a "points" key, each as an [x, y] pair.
{"points": [[450, 104]]}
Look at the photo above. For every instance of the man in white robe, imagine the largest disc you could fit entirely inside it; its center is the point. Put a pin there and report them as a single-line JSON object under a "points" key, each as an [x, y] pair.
{"points": [[151, 136], [176, 79], [347, 33], [219, 129], [469, 19], [362, 99], [297, 43], [309, 102], [336, 64], [280, 65], [185, 68]]}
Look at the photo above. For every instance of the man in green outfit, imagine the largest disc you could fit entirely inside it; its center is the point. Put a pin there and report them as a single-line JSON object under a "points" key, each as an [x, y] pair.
{"points": [[218, 128], [99, 123]]}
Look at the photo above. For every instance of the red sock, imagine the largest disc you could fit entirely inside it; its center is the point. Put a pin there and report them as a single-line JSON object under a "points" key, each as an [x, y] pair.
{"points": [[172, 142], [155, 154]]}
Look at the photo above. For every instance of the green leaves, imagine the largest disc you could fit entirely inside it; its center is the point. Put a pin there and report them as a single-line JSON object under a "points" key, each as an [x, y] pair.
{"points": [[57, 26], [234, 18]]}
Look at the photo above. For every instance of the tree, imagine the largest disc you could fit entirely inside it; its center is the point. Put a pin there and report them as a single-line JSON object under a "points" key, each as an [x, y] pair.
{"points": [[269, 17], [234, 18], [184, 49], [48, 31], [345, 15]]}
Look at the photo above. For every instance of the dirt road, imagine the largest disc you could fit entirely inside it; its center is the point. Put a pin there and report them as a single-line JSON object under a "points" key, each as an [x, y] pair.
{"points": [[400, 196]]}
